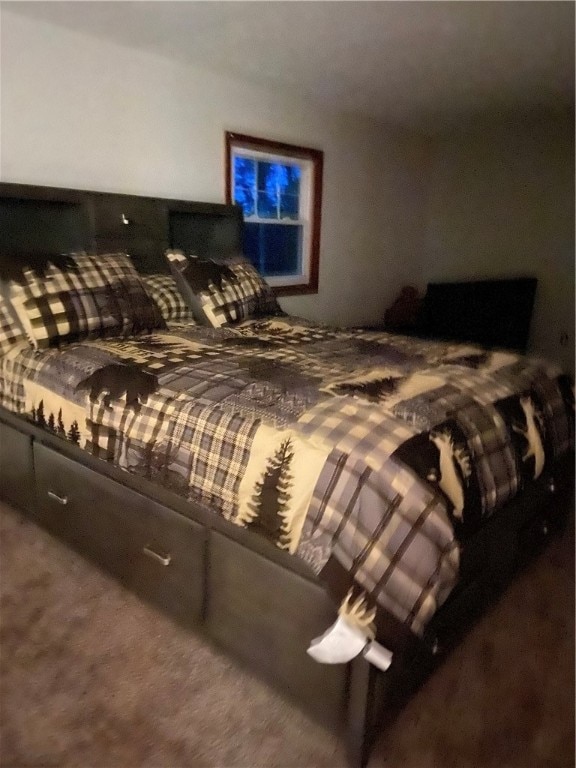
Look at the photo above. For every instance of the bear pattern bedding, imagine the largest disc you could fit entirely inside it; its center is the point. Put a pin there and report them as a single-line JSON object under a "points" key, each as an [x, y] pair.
{"points": [[370, 456]]}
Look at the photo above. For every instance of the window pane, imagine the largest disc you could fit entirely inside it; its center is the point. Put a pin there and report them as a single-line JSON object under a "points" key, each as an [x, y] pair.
{"points": [[272, 177], [278, 190], [289, 205], [245, 198], [267, 206], [244, 184], [245, 171], [274, 249], [293, 186]]}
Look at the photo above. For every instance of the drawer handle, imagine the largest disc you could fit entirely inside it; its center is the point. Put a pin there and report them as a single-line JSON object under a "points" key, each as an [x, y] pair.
{"points": [[60, 499], [163, 559]]}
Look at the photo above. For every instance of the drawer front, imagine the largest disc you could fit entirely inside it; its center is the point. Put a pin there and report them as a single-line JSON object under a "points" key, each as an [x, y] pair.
{"points": [[77, 506], [267, 616], [167, 562], [16, 469], [156, 552]]}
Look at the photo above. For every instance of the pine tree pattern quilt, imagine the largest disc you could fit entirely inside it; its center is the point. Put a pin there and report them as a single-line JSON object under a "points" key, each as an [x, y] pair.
{"points": [[370, 456]]}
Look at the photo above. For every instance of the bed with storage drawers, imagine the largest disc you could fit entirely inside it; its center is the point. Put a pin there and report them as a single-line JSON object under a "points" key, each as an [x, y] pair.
{"points": [[119, 468]]}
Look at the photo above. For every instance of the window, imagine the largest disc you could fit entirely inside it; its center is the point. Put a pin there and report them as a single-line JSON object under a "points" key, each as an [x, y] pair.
{"points": [[279, 188]]}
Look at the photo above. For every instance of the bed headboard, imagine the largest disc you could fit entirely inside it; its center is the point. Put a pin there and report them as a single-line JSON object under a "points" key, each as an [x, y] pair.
{"points": [[41, 221]]}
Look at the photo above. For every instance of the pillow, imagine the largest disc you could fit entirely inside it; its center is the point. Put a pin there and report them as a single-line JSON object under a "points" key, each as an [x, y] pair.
{"points": [[164, 291], [78, 295], [11, 330], [222, 292]]}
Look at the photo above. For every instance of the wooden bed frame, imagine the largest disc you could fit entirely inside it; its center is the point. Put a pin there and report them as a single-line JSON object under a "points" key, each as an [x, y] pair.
{"points": [[256, 602]]}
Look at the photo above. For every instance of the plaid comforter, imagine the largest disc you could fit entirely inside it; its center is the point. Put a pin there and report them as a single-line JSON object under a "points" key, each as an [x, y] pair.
{"points": [[368, 455]]}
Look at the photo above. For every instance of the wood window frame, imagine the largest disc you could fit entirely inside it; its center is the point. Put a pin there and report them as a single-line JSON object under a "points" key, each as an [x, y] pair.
{"points": [[316, 158]]}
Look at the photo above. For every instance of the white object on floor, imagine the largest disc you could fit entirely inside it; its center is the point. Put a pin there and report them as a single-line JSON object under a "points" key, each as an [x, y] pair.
{"points": [[342, 642]]}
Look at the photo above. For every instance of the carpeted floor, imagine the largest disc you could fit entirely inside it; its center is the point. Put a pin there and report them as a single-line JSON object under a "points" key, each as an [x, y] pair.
{"points": [[93, 678]]}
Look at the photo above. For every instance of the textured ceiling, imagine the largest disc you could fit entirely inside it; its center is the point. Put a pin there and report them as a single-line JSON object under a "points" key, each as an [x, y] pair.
{"points": [[415, 64]]}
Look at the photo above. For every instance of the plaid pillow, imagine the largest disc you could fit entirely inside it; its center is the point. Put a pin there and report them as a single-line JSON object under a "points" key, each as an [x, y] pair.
{"points": [[164, 291], [11, 331], [222, 292], [80, 295]]}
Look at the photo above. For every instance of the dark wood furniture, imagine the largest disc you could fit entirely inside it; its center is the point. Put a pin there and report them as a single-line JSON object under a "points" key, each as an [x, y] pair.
{"points": [[253, 600], [494, 313], [48, 220]]}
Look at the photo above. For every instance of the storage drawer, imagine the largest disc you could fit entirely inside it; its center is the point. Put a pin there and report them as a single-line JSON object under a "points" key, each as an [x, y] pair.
{"points": [[155, 551], [16, 469], [248, 597], [167, 562]]}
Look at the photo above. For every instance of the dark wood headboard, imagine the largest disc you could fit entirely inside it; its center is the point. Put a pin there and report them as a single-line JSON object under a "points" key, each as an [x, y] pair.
{"points": [[43, 221]]}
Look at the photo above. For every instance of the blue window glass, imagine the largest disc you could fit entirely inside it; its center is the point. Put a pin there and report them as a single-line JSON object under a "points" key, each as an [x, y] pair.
{"points": [[245, 184], [278, 190], [272, 177], [269, 182], [289, 206], [293, 186], [275, 250], [270, 191], [267, 206]]}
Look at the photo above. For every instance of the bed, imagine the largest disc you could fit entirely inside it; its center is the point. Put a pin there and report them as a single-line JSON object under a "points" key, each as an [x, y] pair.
{"points": [[254, 479]]}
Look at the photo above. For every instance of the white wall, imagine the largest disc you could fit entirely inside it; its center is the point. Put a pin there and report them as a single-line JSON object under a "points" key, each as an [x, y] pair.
{"points": [[495, 200], [78, 112], [501, 202]]}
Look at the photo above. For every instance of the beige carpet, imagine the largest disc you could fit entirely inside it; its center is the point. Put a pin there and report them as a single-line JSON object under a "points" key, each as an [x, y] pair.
{"points": [[91, 677]]}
